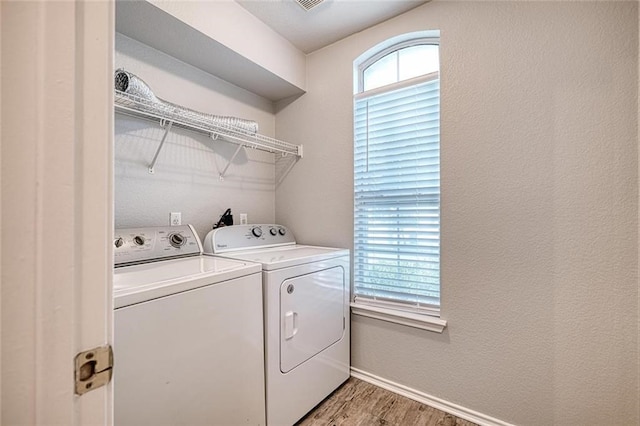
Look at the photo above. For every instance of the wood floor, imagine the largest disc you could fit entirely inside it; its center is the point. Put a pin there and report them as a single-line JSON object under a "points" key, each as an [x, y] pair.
{"points": [[360, 403]]}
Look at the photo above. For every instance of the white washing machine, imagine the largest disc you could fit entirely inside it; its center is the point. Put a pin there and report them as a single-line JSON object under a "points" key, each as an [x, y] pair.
{"points": [[188, 344], [306, 314]]}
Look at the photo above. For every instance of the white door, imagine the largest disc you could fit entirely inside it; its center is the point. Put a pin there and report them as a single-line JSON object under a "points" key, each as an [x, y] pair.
{"points": [[312, 315], [56, 205]]}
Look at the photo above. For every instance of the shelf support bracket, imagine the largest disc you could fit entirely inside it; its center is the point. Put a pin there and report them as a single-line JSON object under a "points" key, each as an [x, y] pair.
{"points": [[233, 157], [167, 128], [286, 172]]}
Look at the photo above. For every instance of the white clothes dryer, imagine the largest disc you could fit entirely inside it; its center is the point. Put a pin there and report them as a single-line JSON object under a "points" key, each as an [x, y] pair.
{"points": [[188, 345], [306, 314]]}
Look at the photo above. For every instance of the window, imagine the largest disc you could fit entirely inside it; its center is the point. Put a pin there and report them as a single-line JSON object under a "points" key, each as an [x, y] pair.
{"points": [[397, 181]]}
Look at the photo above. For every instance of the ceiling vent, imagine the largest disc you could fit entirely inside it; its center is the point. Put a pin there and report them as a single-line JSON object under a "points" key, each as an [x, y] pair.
{"points": [[308, 4]]}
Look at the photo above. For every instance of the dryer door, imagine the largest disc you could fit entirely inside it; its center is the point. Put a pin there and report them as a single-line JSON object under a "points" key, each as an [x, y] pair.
{"points": [[311, 315]]}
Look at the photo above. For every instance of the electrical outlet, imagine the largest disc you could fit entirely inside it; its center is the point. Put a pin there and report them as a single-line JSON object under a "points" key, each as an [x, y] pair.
{"points": [[175, 218], [243, 218]]}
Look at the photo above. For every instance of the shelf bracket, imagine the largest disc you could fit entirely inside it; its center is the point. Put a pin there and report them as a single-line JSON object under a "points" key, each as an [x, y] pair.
{"points": [[233, 157], [167, 128], [286, 172]]}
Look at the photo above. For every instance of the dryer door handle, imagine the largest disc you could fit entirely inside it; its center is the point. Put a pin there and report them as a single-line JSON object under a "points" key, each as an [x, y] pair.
{"points": [[290, 324]]}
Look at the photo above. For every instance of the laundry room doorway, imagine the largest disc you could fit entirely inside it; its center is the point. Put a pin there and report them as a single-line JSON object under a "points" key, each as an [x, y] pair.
{"points": [[56, 207]]}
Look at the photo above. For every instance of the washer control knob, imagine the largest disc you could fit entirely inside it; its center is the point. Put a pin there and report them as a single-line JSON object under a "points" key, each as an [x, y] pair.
{"points": [[257, 232], [138, 240], [273, 231], [119, 242], [176, 240], [282, 231]]}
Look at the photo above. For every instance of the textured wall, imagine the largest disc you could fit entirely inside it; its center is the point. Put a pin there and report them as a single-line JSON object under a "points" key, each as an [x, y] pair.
{"points": [[539, 207], [187, 170]]}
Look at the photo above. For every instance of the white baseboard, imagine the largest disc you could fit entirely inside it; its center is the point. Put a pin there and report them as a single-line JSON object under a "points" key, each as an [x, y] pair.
{"points": [[432, 401]]}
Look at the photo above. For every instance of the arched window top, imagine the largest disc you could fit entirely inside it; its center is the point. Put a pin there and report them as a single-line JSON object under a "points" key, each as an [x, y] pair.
{"points": [[403, 60]]}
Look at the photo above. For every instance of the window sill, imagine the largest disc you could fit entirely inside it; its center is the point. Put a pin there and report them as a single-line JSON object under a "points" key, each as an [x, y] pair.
{"points": [[424, 322]]}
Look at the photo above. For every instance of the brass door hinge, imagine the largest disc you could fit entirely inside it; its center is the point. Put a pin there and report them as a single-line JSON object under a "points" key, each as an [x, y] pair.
{"points": [[94, 369]]}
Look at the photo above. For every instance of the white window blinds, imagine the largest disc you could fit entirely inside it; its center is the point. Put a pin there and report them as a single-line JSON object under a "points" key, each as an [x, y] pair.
{"points": [[397, 194]]}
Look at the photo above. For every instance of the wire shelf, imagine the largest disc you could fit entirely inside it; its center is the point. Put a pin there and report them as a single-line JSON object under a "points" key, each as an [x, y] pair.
{"points": [[142, 108]]}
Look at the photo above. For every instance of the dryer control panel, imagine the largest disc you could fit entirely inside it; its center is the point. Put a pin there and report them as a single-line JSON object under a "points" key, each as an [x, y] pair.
{"points": [[141, 245], [243, 237]]}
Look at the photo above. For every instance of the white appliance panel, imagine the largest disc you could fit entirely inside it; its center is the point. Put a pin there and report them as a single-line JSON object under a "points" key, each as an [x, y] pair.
{"points": [[136, 245], [312, 315], [192, 358], [307, 332], [139, 283], [246, 237], [286, 256], [291, 395]]}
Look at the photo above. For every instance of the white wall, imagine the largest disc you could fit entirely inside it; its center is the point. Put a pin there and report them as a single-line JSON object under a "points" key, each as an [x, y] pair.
{"points": [[187, 170], [228, 23], [539, 207]]}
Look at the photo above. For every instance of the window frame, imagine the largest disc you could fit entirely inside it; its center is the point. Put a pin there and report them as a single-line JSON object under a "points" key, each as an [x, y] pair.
{"points": [[426, 318], [386, 51]]}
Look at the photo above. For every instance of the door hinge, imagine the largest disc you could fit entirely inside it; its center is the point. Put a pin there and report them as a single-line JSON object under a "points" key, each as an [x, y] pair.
{"points": [[94, 369]]}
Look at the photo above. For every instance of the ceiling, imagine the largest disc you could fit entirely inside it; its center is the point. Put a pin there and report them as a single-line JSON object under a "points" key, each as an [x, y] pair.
{"points": [[330, 21]]}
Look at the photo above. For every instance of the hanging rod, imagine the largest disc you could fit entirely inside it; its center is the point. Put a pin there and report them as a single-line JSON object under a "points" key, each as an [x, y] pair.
{"points": [[141, 108]]}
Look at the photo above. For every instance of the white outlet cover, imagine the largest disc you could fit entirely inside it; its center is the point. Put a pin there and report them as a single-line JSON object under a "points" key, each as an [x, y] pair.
{"points": [[175, 218]]}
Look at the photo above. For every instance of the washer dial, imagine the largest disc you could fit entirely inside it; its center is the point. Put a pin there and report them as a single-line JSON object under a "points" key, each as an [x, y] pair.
{"points": [[177, 240]]}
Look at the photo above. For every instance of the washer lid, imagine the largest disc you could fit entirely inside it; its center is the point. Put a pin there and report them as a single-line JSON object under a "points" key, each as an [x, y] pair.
{"points": [[139, 283], [286, 256]]}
